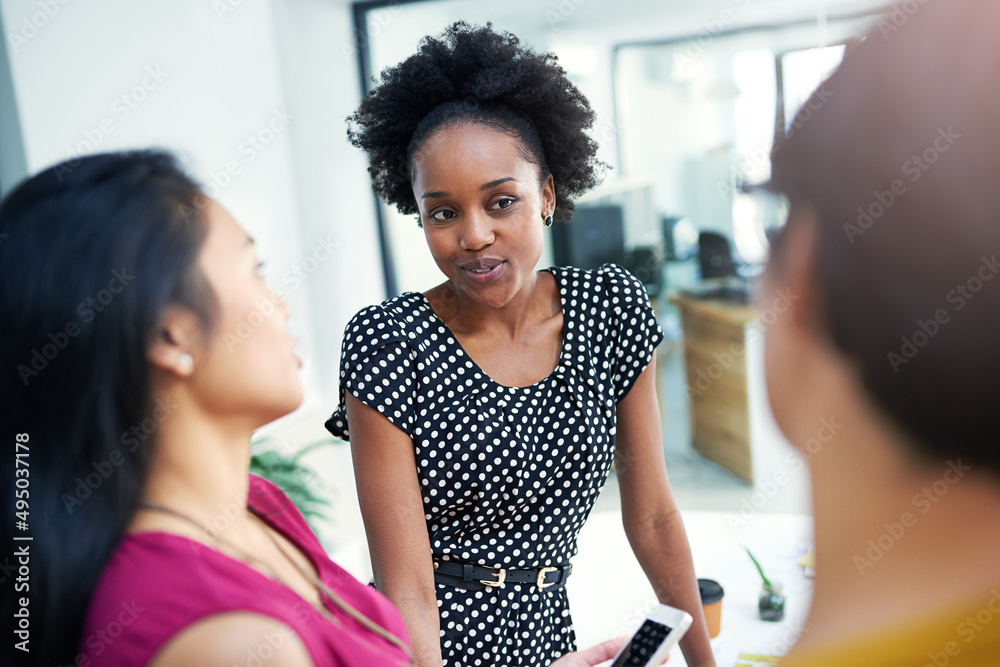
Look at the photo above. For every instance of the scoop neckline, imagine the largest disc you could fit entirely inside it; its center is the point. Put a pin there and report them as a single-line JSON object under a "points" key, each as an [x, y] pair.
{"points": [[304, 549], [563, 353]]}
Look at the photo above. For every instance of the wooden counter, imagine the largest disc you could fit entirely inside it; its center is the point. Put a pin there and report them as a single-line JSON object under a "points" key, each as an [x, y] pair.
{"points": [[715, 357]]}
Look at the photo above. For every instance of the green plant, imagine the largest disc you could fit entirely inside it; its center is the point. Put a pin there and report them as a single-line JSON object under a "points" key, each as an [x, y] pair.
{"points": [[760, 570], [299, 481]]}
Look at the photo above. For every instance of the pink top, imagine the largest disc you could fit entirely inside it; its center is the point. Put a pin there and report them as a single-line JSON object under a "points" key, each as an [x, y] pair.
{"points": [[157, 584]]}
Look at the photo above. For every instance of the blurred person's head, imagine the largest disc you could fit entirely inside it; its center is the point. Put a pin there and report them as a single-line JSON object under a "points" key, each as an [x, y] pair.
{"points": [[127, 299], [893, 240], [485, 140]]}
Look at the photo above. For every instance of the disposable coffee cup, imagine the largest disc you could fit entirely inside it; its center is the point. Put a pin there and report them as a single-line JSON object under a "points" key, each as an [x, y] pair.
{"points": [[711, 604]]}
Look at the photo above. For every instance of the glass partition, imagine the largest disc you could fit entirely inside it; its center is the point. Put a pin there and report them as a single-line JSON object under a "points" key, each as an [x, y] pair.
{"points": [[699, 117]]}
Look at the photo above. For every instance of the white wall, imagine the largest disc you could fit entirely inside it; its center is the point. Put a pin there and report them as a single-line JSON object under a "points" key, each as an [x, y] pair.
{"points": [[12, 159], [318, 70]]}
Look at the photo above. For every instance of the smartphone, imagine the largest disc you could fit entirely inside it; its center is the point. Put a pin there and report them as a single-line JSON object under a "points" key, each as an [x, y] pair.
{"points": [[649, 646]]}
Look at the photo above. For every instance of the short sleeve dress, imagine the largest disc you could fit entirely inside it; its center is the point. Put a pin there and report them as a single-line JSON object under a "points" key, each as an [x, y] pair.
{"points": [[508, 474]]}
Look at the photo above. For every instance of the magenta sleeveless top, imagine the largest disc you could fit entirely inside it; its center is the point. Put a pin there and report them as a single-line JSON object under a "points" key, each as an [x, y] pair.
{"points": [[157, 584]]}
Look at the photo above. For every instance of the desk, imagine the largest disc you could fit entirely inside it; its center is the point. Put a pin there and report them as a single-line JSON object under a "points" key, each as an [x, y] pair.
{"points": [[609, 594], [714, 354]]}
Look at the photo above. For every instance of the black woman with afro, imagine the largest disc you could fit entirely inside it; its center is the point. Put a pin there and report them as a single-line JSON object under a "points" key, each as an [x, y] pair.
{"points": [[485, 414]]}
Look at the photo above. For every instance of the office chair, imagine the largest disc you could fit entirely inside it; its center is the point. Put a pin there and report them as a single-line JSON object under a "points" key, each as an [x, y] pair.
{"points": [[715, 259]]}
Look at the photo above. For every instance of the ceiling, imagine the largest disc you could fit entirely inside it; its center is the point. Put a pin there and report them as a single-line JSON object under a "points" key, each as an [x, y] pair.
{"points": [[641, 19]]}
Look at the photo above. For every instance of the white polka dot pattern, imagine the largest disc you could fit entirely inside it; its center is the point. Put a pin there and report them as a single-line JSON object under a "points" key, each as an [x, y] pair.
{"points": [[509, 474]]}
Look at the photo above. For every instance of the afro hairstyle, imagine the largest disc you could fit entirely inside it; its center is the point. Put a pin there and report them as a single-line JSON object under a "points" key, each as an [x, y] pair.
{"points": [[476, 74]]}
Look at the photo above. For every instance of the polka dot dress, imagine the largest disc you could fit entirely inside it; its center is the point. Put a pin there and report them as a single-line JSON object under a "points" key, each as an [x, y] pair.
{"points": [[508, 474]]}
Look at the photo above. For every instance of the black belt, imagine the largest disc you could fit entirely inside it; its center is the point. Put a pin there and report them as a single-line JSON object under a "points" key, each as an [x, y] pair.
{"points": [[477, 577]]}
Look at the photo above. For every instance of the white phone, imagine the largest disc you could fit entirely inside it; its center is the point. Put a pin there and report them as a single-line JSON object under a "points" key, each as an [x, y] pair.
{"points": [[662, 628]]}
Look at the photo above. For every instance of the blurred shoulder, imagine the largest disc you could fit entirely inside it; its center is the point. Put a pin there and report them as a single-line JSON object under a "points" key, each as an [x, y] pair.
{"points": [[232, 639]]}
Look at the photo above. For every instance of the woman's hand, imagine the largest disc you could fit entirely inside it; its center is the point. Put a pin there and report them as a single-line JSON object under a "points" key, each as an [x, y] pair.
{"points": [[592, 656]]}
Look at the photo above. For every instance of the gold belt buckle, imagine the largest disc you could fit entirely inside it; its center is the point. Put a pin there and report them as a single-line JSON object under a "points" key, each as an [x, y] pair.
{"points": [[540, 582], [501, 574]]}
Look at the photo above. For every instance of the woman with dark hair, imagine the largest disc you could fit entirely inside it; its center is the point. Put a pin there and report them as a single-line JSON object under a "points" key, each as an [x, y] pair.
{"points": [[485, 414], [891, 249], [129, 408]]}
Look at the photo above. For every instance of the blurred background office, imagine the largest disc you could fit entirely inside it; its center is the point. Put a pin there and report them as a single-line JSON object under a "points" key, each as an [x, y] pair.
{"points": [[252, 94]]}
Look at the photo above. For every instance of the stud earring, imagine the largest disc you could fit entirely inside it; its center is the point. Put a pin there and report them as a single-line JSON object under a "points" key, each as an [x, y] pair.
{"points": [[548, 221], [186, 362]]}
